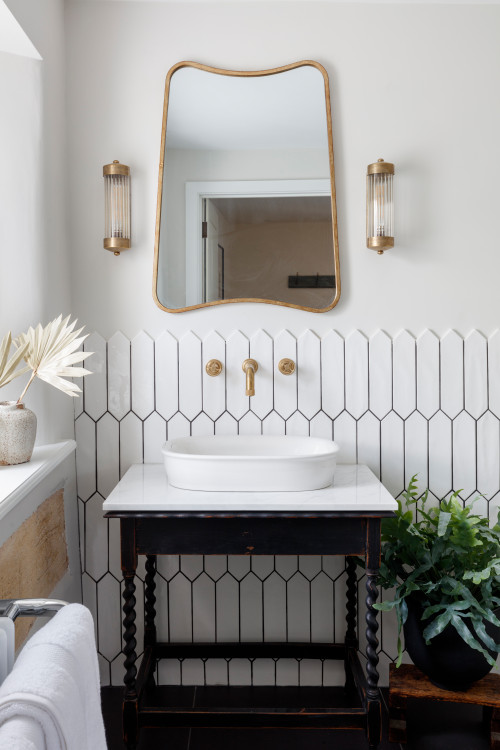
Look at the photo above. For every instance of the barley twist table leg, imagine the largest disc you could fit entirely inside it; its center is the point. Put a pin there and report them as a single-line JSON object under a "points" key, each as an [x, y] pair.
{"points": [[150, 601], [130, 699], [351, 639], [374, 713]]}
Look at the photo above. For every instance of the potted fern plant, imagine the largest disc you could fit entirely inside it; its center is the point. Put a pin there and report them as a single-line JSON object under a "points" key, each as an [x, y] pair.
{"points": [[443, 565], [49, 353]]}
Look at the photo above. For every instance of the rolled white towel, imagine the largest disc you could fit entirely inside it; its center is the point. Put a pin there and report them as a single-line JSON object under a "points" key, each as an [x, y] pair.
{"points": [[55, 681], [22, 733]]}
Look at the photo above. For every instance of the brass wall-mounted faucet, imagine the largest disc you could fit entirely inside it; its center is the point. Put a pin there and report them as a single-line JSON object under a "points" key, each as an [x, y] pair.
{"points": [[250, 367]]}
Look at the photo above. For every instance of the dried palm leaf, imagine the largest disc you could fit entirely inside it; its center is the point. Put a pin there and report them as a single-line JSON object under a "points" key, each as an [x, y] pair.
{"points": [[8, 367], [51, 352]]}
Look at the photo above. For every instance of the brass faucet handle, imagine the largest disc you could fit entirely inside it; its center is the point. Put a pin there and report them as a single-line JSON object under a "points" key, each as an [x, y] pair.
{"points": [[213, 367], [286, 366]]}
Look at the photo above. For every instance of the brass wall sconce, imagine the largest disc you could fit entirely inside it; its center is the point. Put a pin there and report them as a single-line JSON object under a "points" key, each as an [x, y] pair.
{"points": [[380, 206], [116, 207]]}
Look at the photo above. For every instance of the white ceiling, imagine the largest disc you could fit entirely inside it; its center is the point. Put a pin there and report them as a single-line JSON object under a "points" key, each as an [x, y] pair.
{"points": [[12, 37]]}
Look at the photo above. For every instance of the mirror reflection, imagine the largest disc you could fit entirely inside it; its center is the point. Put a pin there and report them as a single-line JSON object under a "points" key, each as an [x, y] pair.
{"points": [[246, 201]]}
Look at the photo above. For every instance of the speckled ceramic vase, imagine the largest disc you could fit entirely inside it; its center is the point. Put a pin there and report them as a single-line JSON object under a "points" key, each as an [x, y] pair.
{"points": [[17, 433]]}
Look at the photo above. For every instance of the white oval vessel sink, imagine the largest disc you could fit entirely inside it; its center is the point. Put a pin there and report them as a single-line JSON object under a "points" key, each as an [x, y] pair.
{"points": [[250, 463]]}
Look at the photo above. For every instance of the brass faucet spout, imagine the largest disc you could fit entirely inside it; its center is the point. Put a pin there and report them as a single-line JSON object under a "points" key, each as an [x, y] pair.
{"points": [[250, 367]]}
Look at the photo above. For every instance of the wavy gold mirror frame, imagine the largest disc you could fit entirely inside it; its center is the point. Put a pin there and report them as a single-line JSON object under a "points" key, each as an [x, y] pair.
{"points": [[244, 74]]}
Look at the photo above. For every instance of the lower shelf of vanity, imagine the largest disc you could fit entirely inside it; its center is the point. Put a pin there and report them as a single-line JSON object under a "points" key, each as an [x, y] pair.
{"points": [[256, 706]]}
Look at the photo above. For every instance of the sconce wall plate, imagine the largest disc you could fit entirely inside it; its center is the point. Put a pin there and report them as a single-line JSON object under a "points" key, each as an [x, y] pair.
{"points": [[116, 207], [380, 206]]}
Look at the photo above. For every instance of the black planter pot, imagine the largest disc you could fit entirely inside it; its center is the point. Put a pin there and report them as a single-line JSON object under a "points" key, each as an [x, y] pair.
{"points": [[447, 661]]}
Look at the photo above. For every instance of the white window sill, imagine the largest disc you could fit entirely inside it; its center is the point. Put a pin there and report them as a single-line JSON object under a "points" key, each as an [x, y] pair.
{"points": [[16, 482]]}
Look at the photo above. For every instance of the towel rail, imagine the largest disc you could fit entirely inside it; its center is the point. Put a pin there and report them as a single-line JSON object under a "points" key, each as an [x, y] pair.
{"points": [[13, 608]]}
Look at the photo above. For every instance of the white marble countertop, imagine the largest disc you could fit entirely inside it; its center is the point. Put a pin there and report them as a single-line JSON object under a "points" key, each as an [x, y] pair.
{"points": [[145, 488]]}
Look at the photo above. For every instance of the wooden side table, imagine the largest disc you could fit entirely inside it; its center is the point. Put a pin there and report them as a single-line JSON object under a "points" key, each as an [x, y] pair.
{"points": [[157, 519], [409, 682]]}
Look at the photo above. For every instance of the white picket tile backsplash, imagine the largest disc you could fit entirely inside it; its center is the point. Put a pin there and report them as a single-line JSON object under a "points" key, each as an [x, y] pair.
{"points": [[476, 374], [155, 434], [285, 386], [237, 350], [95, 391], [202, 425], [214, 393], [85, 434], [250, 424], [464, 454], [190, 376], [96, 538], [368, 442], [427, 374], [404, 406], [226, 425], [321, 426], [261, 349], [309, 374], [493, 371], [131, 442], [452, 374], [392, 447], [273, 424], [143, 375], [416, 447], [440, 454], [356, 367], [107, 454], [380, 374], [118, 375], [488, 454], [167, 375], [404, 378]]}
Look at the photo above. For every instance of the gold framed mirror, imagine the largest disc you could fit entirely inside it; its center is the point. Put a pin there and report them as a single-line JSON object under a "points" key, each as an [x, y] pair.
{"points": [[246, 207]]}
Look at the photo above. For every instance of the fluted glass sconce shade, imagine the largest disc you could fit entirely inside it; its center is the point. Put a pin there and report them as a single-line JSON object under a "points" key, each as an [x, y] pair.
{"points": [[116, 207], [380, 206]]}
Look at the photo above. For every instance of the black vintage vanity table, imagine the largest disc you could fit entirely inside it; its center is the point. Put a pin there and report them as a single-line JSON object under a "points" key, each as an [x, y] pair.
{"points": [[157, 519]]}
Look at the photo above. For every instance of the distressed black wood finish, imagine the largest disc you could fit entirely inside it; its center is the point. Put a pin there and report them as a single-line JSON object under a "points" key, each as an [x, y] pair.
{"points": [[250, 650], [249, 533], [130, 697], [409, 682], [374, 711], [251, 536], [263, 717], [351, 638], [150, 601]]}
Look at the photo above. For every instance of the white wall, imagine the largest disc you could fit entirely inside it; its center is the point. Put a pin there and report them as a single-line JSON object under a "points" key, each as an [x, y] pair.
{"points": [[426, 100], [20, 136], [34, 282]]}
